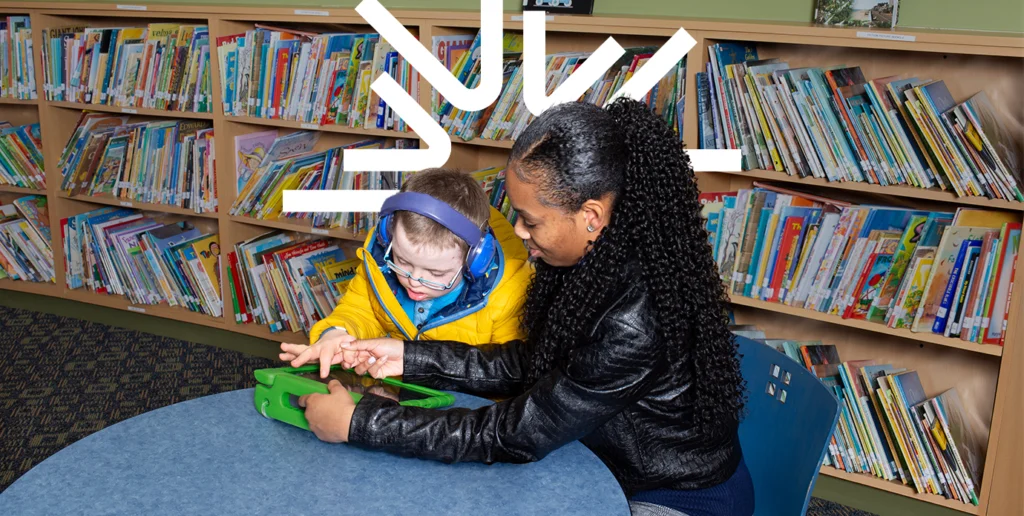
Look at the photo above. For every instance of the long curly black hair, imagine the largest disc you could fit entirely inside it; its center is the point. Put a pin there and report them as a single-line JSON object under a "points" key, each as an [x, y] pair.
{"points": [[574, 152]]}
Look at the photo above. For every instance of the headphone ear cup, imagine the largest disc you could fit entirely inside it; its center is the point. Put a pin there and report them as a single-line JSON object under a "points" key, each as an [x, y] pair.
{"points": [[382, 230], [480, 257]]}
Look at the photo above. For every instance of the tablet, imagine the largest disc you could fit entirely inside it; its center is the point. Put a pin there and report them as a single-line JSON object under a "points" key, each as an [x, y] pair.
{"points": [[276, 396]]}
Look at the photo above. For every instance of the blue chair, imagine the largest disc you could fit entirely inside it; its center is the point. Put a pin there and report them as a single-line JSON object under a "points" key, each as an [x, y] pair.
{"points": [[789, 420]]}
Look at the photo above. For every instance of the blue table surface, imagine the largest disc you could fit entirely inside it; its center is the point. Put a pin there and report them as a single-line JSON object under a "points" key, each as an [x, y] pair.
{"points": [[216, 455]]}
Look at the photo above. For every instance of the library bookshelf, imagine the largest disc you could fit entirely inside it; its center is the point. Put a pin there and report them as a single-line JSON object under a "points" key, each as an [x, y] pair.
{"points": [[988, 377]]}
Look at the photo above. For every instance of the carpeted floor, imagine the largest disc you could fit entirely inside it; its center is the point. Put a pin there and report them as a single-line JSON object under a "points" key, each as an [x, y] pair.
{"points": [[62, 379]]}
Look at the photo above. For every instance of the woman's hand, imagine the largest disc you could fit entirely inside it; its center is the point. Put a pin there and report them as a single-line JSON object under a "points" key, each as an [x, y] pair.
{"points": [[329, 415], [379, 357], [327, 351]]}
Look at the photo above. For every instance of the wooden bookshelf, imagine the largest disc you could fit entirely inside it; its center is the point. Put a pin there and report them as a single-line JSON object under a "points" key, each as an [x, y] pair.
{"points": [[985, 349], [897, 488], [20, 190], [989, 376]]}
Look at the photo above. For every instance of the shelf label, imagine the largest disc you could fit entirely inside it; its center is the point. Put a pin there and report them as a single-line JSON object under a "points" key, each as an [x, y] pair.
{"points": [[306, 12], [130, 111], [885, 36], [519, 17], [131, 7], [138, 309], [320, 231], [126, 204], [308, 125]]}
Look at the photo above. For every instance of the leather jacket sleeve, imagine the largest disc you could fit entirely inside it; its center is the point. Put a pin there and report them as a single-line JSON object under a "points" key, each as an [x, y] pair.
{"points": [[489, 370], [598, 380]]}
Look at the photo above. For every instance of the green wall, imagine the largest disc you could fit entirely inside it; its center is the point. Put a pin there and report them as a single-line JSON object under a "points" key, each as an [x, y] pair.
{"points": [[987, 15]]}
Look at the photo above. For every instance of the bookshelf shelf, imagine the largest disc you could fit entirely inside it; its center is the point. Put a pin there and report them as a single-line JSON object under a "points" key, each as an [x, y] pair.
{"points": [[31, 287], [898, 488], [19, 102], [18, 189], [985, 349], [298, 226], [305, 126], [895, 190], [131, 111], [969, 61], [144, 206], [122, 303]]}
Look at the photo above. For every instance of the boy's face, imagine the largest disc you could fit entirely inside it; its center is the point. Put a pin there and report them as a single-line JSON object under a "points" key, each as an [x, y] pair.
{"points": [[424, 262]]}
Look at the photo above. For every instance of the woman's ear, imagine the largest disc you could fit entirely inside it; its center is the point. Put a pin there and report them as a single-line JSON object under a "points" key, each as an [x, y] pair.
{"points": [[597, 213]]}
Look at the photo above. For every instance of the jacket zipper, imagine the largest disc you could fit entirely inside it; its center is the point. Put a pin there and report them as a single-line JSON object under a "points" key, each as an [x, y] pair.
{"points": [[373, 285]]}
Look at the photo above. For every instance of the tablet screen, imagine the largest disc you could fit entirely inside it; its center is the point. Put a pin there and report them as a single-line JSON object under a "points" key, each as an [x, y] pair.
{"points": [[366, 385]]}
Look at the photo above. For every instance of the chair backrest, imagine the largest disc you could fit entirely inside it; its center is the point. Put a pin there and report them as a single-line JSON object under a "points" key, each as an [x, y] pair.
{"points": [[788, 424]]}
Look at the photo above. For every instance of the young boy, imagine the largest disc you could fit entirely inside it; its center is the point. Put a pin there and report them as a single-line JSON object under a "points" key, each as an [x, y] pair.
{"points": [[464, 279]]}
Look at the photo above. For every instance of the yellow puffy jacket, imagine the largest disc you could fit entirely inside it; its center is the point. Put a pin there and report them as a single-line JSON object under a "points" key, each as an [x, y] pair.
{"points": [[369, 308]]}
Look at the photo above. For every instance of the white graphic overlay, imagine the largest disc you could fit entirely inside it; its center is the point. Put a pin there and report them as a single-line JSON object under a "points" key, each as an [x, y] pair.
{"points": [[438, 143]]}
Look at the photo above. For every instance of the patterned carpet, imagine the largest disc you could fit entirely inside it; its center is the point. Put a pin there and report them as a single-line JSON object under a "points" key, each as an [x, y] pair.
{"points": [[65, 378]]}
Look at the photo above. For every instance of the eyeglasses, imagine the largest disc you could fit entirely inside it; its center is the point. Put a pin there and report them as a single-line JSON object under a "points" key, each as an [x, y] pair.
{"points": [[433, 285]]}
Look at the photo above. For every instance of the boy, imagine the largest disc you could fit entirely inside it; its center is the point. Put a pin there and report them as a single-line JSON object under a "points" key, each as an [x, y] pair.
{"points": [[442, 264]]}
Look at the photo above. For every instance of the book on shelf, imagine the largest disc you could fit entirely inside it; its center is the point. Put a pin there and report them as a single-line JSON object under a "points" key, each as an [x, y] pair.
{"points": [[835, 124], [21, 156], [163, 66], [888, 426], [17, 68], [289, 282], [271, 164], [878, 14], [120, 251], [169, 162], [948, 274], [508, 116], [311, 77], [25, 252]]}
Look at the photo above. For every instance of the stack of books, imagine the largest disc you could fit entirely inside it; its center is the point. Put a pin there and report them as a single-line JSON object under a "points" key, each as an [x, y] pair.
{"points": [[166, 162], [25, 252], [949, 274], [838, 125], [268, 164], [119, 251], [21, 156], [508, 117], [888, 426], [162, 66], [321, 79], [17, 68]]}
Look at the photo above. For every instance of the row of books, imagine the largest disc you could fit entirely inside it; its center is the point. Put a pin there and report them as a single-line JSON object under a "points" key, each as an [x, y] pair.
{"points": [[17, 68], [508, 116], [323, 79], [287, 282], [268, 164], [290, 283], [25, 252], [161, 66], [21, 156], [120, 251], [888, 426], [834, 123], [949, 274], [168, 162]]}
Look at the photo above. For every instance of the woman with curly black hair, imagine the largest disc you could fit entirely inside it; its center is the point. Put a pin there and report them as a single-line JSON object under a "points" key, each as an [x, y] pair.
{"points": [[628, 348]]}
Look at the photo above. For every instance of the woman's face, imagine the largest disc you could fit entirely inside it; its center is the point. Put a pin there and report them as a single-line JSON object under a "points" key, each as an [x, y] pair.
{"points": [[551, 234]]}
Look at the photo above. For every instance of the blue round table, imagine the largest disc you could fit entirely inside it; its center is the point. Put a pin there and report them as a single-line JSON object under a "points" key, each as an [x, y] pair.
{"points": [[217, 455]]}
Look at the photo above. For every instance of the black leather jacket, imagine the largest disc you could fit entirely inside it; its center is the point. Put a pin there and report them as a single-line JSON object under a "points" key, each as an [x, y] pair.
{"points": [[610, 394]]}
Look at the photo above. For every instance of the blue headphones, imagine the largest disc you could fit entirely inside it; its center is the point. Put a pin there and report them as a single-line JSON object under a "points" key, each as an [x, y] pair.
{"points": [[481, 242]]}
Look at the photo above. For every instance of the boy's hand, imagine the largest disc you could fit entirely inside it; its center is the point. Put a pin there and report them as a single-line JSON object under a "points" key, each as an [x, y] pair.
{"points": [[329, 415], [379, 357], [327, 351]]}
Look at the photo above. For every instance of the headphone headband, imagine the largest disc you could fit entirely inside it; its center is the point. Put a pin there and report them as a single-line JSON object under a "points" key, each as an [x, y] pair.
{"points": [[435, 210]]}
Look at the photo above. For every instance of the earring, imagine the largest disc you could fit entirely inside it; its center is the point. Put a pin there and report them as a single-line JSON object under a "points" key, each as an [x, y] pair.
{"points": [[590, 229]]}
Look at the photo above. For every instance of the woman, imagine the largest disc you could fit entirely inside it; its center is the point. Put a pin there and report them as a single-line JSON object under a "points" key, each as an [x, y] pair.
{"points": [[627, 349]]}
